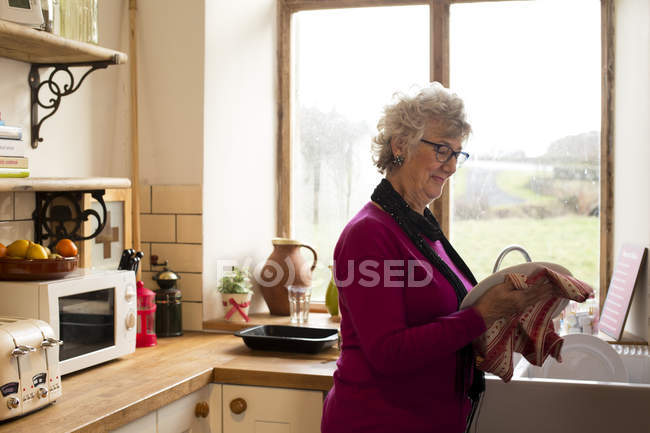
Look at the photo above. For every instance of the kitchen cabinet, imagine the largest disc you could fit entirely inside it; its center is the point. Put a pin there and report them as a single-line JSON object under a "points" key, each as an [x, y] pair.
{"points": [[146, 424], [258, 409], [198, 412], [244, 409]]}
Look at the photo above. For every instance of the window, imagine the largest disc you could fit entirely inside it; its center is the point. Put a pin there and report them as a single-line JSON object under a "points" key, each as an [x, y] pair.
{"points": [[335, 75], [346, 66], [533, 97]]}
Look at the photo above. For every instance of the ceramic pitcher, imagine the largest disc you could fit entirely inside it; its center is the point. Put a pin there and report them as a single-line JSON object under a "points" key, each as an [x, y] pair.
{"points": [[285, 266]]}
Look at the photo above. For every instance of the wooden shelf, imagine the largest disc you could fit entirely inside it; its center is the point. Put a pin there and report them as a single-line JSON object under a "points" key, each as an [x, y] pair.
{"points": [[45, 50], [33, 46], [63, 183]]}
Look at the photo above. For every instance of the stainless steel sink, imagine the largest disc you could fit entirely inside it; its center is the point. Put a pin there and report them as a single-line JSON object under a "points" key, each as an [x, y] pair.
{"points": [[505, 252]]}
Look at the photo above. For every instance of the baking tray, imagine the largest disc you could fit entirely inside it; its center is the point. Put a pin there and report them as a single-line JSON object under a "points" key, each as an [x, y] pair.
{"points": [[289, 338]]}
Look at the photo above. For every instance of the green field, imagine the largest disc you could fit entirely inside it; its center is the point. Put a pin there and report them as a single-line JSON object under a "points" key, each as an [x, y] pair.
{"points": [[517, 184], [571, 241]]}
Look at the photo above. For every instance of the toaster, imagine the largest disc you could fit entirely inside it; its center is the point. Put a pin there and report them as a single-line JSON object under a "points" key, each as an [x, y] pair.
{"points": [[29, 366]]}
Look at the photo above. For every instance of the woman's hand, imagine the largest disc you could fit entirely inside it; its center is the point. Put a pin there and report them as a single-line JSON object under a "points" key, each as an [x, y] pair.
{"points": [[504, 300]]}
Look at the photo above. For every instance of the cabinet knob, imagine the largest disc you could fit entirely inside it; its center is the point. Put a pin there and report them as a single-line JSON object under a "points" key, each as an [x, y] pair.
{"points": [[238, 405], [202, 409]]}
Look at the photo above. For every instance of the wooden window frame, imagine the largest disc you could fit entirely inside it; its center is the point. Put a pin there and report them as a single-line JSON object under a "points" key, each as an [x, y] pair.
{"points": [[439, 71]]}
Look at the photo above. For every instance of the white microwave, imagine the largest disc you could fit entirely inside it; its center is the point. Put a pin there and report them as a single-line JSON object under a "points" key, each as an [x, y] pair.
{"points": [[94, 313]]}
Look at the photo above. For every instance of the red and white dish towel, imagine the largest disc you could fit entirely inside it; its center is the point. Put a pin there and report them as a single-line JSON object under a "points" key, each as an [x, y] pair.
{"points": [[530, 333]]}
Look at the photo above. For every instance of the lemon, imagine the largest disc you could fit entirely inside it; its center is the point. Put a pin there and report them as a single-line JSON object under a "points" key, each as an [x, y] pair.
{"points": [[18, 248], [36, 251]]}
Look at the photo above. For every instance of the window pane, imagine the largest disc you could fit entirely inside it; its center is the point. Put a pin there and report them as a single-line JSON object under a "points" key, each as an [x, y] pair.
{"points": [[529, 73], [346, 65]]}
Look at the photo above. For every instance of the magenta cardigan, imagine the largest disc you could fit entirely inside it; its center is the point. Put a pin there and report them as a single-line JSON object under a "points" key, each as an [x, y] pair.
{"points": [[397, 368]]}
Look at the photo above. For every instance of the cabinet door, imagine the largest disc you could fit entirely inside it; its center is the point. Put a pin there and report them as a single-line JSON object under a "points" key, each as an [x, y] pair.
{"points": [[181, 417], [271, 410], [146, 424]]}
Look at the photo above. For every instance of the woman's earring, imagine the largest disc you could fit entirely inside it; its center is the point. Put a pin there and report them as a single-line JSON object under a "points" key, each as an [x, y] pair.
{"points": [[398, 160]]}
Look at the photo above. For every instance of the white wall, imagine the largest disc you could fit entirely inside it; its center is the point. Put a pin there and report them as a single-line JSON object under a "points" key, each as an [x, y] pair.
{"points": [[89, 134], [632, 127], [239, 196], [170, 57], [219, 131]]}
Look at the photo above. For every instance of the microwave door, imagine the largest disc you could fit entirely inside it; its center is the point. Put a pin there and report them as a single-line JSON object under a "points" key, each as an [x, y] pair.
{"points": [[86, 322]]}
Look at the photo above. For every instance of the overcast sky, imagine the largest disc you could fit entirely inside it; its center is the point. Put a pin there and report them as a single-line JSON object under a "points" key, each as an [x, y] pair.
{"points": [[528, 73]]}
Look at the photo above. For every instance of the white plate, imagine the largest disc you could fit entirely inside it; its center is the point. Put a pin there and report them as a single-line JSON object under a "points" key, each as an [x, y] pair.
{"points": [[585, 357], [500, 276]]}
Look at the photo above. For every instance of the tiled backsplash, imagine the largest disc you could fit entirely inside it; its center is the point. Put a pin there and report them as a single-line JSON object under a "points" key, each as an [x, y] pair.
{"points": [[171, 228], [16, 216]]}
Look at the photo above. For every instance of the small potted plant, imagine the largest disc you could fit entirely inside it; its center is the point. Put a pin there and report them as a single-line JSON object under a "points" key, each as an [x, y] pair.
{"points": [[236, 293]]}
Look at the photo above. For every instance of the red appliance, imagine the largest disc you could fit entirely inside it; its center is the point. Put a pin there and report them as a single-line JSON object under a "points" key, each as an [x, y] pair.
{"points": [[146, 334]]}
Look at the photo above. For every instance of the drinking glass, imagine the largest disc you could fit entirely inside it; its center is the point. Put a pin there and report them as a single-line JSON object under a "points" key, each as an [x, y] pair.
{"points": [[299, 298]]}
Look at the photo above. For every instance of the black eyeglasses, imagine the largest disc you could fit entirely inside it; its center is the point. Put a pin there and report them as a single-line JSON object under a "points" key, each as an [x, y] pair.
{"points": [[444, 153]]}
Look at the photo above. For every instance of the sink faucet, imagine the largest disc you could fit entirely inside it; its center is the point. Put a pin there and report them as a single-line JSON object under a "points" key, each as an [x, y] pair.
{"points": [[505, 251]]}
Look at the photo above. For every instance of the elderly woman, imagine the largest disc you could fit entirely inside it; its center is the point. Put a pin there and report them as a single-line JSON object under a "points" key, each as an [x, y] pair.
{"points": [[406, 361]]}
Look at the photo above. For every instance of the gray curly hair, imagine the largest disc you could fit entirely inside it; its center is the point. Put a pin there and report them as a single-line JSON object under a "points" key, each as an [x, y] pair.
{"points": [[409, 115]]}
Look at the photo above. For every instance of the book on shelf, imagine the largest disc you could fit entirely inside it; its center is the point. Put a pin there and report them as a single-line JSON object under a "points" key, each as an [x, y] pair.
{"points": [[14, 148], [11, 132], [13, 162], [14, 172]]}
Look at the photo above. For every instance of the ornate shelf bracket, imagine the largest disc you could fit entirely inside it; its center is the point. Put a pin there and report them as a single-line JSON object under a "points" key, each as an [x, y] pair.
{"points": [[58, 215], [54, 91]]}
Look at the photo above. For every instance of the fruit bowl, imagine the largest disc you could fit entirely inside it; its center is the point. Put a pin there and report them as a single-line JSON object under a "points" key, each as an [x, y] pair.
{"points": [[36, 269]]}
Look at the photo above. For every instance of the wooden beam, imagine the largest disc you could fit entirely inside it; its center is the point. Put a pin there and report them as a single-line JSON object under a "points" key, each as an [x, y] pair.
{"points": [[439, 71], [298, 5], [482, 1], [135, 148], [607, 18], [283, 161]]}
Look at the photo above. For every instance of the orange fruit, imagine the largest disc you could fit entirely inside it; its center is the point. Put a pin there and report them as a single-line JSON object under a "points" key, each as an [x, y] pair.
{"points": [[66, 248], [3, 250]]}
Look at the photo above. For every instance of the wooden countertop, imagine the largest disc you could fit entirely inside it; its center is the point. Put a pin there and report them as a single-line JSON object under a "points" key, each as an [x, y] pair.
{"points": [[105, 397], [63, 183]]}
